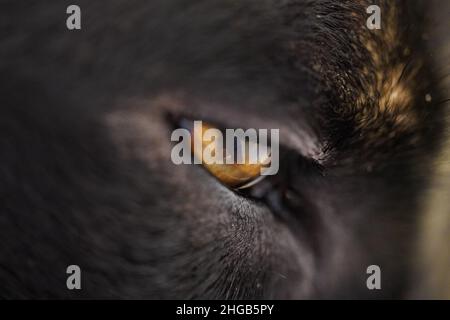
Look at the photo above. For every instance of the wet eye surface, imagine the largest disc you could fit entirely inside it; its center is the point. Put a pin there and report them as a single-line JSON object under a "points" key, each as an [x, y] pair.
{"points": [[226, 166]]}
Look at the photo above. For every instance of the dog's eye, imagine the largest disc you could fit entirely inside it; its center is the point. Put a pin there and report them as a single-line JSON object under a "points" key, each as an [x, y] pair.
{"points": [[225, 167]]}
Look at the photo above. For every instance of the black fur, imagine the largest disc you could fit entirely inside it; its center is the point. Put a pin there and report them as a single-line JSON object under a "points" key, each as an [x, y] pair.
{"points": [[85, 170]]}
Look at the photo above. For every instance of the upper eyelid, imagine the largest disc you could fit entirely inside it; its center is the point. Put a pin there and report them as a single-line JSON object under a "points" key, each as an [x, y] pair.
{"points": [[292, 136]]}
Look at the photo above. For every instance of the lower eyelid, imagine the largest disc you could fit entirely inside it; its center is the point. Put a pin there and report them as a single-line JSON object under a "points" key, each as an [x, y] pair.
{"points": [[235, 176]]}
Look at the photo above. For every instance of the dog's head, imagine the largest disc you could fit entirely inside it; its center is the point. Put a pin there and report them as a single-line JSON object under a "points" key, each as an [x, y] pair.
{"points": [[86, 174]]}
